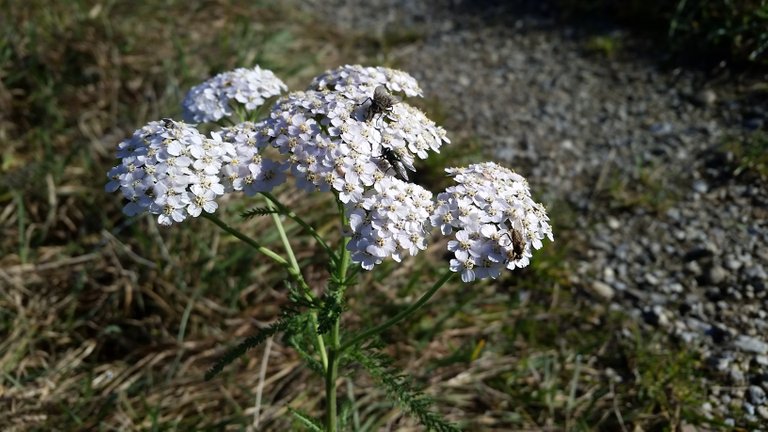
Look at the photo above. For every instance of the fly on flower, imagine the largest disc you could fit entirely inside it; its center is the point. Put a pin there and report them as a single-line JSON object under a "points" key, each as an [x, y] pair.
{"points": [[381, 102], [395, 162], [471, 210], [517, 242]]}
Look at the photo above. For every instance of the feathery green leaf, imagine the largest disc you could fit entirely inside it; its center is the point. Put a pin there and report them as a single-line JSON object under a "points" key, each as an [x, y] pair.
{"points": [[399, 387], [308, 421], [330, 311], [286, 321], [295, 341], [258, 211]]}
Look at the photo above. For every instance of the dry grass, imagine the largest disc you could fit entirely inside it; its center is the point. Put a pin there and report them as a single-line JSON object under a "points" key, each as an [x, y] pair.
{"points": [[109, 323]]}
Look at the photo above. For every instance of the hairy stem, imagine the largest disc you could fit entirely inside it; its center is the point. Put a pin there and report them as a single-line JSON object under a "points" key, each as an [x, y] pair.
{"points": [[319, 343], [296, 218], [334, 353]]}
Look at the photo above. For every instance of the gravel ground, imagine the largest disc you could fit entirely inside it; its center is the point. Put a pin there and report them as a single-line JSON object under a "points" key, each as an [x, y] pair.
{"points": [[669, 232]]}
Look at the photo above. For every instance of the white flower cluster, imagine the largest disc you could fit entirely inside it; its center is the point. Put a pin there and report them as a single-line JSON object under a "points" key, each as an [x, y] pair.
{"points": [[391, 220], [496, 222], [345, 134], [210, 101], [169, 169], [326, 147], [245, 169], [331, 146], [356, 81]]}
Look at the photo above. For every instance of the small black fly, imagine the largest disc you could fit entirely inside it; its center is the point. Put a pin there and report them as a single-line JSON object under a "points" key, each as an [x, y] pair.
{"points": [[517, 242], [395, 162], [381, 103]]}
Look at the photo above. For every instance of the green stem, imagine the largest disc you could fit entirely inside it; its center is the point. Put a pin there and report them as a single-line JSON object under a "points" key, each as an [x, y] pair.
{"points": [[283, 209], [400, 316], [330, 390], [334, 353], [293, 270], [320, 344], [249, 241], [284, 237]]}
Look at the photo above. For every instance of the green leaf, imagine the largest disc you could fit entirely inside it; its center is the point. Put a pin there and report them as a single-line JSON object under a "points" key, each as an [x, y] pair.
{"points": [[258, 211], [294, 340], [308, 421], [330, 311], [286, 321], [399, 387]]}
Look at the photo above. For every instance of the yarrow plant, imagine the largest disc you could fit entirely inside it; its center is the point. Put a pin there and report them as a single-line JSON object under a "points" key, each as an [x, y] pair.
{"points": [[333, 137]]}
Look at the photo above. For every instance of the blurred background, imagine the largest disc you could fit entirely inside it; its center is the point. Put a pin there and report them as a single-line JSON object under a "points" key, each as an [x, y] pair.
{"points": [[640, 125]]}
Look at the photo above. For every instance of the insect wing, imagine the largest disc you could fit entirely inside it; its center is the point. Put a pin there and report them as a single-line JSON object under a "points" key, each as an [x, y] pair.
{"points": [[399, 169], [396, 163], [383, 99], [380, 91]]}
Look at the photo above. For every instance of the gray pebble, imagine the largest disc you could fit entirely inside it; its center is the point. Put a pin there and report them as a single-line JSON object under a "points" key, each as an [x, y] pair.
{"points": [[750, 344], [675, 287], [651, 279], [602, 289], [756, 272], [694, 268], [763, 411], [733, 263], [737, 376], [749, 408], [716, 275], [756, 395], [609, 275], [721, 363], [700, 186], [661, 128]]}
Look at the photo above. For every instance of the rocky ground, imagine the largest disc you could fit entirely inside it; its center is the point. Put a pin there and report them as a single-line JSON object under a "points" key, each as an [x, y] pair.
{"points": [[667, 227]]}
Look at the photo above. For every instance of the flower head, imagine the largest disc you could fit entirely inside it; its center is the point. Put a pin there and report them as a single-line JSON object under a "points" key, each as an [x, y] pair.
{"points": [[211, 100], [390, 220], [244, 166], [169, 169], [332, 145], [494, 221], [358, 82]]}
